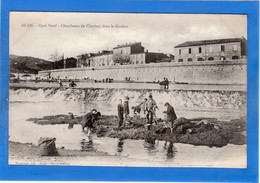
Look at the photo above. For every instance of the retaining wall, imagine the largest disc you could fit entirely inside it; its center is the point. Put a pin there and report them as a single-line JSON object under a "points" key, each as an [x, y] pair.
{"points": [[207, 72]]}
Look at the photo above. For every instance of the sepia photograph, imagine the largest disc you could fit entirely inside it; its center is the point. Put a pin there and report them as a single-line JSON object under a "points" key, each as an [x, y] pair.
{"points": [[128, 89]]}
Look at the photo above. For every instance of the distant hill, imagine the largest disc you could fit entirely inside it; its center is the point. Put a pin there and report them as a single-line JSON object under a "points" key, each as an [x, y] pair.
{"points": [[26, 64]]}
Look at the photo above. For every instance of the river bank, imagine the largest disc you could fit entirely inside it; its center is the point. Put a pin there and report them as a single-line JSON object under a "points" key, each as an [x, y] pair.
{"points": [[27, 153], [197, 131]]}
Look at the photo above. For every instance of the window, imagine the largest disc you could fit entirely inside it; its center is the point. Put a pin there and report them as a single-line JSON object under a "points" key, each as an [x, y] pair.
{"points": [[189, 59], [235, 48], [211, 58], [222, 48], [222, 58], [121, 51], [180, 60], [189, 50], [210, 49], [199, 49], [179, 51], [200, 59], [235, 57]]}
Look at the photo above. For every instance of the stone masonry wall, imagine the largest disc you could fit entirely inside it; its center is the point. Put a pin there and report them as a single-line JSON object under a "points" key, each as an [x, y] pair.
{"points": [[207, 72]]}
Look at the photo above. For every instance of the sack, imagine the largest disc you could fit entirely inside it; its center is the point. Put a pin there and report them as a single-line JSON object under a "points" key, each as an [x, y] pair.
{"points": [[47, 147]]}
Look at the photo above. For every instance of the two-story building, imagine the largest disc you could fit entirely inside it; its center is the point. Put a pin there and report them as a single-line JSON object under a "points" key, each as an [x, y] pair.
{"points": [[136, 54], [103, 58], [129, 53], [209, 50]]}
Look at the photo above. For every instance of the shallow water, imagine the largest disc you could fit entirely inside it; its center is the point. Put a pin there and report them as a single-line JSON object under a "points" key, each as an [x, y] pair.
{"points": [[224, 105], [177, 154]]}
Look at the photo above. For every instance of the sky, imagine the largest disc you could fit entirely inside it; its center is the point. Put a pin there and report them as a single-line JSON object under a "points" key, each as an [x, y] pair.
{"points": [[40, 34]]}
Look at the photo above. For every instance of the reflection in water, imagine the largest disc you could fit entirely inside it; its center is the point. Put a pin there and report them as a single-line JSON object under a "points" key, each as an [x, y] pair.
{"points": [[87, 145], [150, 145], [120, 145], [171, 150]]}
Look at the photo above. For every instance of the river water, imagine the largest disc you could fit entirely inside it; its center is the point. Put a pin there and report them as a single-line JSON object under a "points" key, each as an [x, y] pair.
{"points": [[167, 154]]}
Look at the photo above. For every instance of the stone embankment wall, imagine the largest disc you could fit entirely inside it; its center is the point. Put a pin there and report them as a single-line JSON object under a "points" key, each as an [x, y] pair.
{"points": [[207, 72]]}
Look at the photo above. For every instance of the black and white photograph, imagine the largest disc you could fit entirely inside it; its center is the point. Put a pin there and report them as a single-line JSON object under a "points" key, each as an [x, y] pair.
{"points": [[128, 89]]}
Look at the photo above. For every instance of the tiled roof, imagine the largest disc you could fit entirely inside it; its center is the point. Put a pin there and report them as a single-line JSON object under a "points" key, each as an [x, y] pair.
{"points": [[207, 42]]}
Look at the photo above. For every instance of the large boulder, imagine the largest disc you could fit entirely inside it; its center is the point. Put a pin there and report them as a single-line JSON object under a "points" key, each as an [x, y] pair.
{"points": [[47, 146]]}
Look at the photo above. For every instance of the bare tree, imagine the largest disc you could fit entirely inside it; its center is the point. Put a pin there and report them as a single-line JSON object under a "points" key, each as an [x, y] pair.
{"points": [[56, 56], [121, 58]]}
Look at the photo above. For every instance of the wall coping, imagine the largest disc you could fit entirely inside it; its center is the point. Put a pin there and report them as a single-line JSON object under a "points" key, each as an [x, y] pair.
{"points": [[151, 65]]}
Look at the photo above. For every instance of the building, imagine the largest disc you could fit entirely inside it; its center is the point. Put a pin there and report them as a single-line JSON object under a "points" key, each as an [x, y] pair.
{"points": [[131, 53], [103, 58], [83, 61], [210, 50]]}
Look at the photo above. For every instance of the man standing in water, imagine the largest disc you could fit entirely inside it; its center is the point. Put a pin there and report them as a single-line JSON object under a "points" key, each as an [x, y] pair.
{"points": [[171, 116], [150, 108], [126, 107], [120, 110]]}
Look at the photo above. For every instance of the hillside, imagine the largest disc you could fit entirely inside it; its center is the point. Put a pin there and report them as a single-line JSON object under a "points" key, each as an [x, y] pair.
{"points": [[26, 64]]}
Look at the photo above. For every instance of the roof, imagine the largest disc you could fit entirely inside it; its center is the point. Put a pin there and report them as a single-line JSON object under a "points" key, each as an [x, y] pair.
{"points": [[104, 52], [207, 42], [127, 45]]}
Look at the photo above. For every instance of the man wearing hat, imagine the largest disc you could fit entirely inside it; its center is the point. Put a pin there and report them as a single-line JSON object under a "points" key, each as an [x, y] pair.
{"points": [[150, 108], [88, 121], [171, 116]]}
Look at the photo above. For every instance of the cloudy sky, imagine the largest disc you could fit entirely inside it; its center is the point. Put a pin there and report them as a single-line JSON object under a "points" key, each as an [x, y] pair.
{"points": [[157, 32]]}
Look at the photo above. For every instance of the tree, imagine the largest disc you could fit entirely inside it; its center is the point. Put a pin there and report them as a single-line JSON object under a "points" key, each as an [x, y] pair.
{"points": [[121, 58], [56, 56]]}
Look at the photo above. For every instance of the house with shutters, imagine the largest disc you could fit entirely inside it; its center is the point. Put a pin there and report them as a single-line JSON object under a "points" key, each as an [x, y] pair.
{"points": [[210, 50]]}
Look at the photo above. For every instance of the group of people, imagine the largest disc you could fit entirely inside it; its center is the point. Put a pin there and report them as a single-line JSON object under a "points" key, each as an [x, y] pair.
{"points": [[149, 107], [165, 83], [107, 80], [71, 83]]}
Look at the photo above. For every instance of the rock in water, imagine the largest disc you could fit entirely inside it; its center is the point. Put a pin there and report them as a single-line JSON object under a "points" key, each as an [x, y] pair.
{"points": [[47, 146]]}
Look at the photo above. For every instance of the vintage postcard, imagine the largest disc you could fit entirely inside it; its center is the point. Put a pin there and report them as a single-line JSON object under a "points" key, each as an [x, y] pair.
{"points": [[128, 89]]}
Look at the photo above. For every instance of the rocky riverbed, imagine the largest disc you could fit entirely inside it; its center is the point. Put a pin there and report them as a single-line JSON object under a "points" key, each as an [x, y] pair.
{"points": [[197, 131]]}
